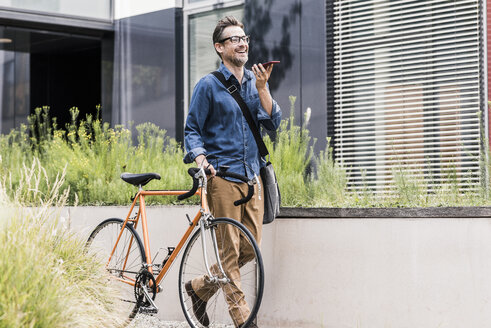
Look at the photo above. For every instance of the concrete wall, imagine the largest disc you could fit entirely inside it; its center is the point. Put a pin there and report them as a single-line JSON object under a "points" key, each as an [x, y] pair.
{"points": [[346, 272]]}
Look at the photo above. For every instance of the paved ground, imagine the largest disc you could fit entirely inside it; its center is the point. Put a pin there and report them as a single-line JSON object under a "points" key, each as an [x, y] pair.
{"points": [[145, 321]]}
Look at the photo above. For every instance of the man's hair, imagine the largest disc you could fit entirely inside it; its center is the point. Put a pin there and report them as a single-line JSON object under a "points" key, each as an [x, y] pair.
{"points": [[221, 25], [224, 23]]}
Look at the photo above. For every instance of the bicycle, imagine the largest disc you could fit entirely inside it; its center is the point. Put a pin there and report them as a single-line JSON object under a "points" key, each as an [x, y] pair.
{"points": [[128, 258]]}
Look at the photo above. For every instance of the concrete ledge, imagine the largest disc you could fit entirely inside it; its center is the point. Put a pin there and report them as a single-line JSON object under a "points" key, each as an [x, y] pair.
{"points": [[386, 212], [377, 267]]}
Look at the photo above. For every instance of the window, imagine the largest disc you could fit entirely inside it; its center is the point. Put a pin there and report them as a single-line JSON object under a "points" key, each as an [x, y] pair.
{"points": [[199, 24], [407, 91], [202, 56]]}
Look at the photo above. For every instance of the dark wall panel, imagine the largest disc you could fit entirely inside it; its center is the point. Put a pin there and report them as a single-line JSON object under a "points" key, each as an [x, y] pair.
{"points": [[145, 70], [293, 32]]}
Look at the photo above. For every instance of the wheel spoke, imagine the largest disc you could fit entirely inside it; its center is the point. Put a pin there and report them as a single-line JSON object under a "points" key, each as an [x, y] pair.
{"points": [[101, 242]]}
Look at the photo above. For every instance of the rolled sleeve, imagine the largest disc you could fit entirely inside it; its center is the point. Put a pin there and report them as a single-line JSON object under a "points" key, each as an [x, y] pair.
{"points": [[198, 111], [270, 122], [193, 153]]}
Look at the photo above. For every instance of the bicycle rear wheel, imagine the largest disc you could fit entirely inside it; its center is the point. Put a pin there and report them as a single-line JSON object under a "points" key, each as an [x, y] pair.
{"points": [[126, 261], [224, 300]]}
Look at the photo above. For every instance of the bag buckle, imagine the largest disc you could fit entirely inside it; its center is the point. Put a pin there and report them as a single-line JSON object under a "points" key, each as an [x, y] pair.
{"points": [[231, 89]]}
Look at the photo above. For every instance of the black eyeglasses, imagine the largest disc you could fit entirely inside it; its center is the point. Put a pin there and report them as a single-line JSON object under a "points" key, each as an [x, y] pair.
{"points": [[236, 39]]}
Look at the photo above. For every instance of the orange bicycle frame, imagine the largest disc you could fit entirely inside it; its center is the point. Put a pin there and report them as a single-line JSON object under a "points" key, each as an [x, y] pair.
{"points": [[142, 217]]}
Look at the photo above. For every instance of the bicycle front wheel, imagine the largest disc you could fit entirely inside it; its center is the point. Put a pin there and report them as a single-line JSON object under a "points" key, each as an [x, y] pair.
{"points": [[126, 257], [234, 299]]}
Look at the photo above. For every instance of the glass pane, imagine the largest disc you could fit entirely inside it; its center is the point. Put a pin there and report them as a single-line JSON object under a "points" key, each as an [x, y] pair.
{"points": [[7, 63], [100, 9], [202, 56], [14, 78]]}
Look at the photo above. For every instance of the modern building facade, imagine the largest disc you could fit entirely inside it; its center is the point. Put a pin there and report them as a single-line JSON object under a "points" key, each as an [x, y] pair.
{"points": [[393, 84]]}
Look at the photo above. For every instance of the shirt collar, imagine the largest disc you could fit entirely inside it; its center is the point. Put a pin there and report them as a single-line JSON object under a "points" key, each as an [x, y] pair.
{"points": [[224, 70]]}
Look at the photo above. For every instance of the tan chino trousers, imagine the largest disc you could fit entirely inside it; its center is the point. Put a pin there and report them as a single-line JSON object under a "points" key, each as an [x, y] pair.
{"points": [[233, 252]]}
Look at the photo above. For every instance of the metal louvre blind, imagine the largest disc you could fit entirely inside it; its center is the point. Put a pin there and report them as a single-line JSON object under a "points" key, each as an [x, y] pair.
{"points": [[407, 91]]}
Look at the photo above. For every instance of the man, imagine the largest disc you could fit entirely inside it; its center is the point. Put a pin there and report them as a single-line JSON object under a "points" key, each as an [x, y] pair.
{"points": [[216, 126]]}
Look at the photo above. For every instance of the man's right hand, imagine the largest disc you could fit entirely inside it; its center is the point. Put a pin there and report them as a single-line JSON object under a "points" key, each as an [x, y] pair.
{"points": [[201, 161]]}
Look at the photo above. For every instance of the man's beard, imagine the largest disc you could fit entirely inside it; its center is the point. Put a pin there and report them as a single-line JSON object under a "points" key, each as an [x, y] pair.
{"points": [[239, 61]]}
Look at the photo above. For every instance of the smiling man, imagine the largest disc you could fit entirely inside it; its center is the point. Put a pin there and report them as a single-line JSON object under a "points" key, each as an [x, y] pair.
{"points": [[216, 126]]}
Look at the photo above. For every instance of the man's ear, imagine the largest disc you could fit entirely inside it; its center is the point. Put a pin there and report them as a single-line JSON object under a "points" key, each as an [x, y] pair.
{"points": [[219, 48]]}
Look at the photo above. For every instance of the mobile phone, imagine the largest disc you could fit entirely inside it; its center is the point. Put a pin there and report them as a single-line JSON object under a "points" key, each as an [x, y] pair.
{"points": [[265, 65]]}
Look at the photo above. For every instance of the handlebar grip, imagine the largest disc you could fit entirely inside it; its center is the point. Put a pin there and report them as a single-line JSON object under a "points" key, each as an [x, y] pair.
{"points": [[190, 192], [192, 172]]}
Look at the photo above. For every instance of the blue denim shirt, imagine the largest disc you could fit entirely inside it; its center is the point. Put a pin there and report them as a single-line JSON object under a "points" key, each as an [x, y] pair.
{"points": [[216, 126]]}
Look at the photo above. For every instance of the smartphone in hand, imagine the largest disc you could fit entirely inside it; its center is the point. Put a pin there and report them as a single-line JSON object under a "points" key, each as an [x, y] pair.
{"points": [[265, 65]]}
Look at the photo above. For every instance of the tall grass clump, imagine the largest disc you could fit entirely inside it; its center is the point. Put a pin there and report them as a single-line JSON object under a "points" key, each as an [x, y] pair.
{"points": [[329, 185], [291, 154], [94, 155], [47, 280], [407, 188], [413, 190]]}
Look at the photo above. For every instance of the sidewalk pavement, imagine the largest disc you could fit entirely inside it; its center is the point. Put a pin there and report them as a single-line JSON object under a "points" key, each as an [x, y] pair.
{"points": [[147, 321]]}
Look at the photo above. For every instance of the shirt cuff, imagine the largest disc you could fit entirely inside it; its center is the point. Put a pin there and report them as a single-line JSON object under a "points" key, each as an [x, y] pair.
{"points": [[193, 153], [269, 121]]}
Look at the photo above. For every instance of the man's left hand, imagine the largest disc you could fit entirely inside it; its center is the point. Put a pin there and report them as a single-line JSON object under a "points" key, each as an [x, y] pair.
{"points": [[262, 75]]}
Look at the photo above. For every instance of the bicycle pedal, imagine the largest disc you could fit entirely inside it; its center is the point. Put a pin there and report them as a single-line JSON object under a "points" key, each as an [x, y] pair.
{"points": [[148, 310]]}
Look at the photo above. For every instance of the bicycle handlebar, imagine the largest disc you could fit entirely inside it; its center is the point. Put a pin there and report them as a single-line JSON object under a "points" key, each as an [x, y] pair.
{"points": [[223, 174]]}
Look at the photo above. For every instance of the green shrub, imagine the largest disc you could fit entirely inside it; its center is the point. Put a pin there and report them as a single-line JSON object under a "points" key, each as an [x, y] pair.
{"points": [[329, 186], [93, 155], [291, 154]]}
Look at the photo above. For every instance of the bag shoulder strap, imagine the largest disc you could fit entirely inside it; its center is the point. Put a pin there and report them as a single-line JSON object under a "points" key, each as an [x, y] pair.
{"points": [[234, 92]]}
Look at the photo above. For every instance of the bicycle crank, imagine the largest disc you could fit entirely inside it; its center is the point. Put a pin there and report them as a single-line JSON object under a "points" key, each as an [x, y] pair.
{"points": [[145, 292]]}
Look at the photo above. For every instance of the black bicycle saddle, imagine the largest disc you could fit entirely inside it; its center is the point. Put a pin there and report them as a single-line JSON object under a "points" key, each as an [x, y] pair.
{"points": [[139, 179]]}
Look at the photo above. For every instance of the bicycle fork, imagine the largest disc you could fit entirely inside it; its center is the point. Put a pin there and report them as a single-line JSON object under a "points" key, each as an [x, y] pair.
{"points": [[212, 278]]}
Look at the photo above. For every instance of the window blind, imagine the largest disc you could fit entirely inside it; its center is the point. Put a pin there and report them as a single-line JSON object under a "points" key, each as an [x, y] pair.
{"points": [[407, 91]]}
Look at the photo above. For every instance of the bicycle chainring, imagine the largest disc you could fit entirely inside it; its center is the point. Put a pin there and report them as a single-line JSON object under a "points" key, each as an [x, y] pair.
{"points": [[144, 279]]}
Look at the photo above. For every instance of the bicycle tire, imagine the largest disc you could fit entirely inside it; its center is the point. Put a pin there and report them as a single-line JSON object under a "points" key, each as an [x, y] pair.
{"points": [[101, 243], [251, 277]]}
